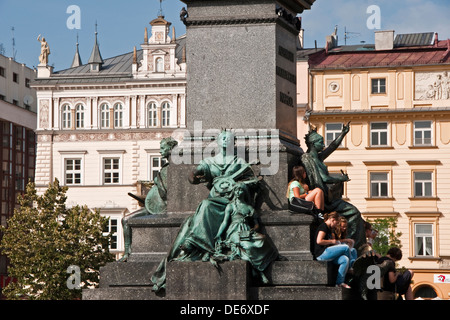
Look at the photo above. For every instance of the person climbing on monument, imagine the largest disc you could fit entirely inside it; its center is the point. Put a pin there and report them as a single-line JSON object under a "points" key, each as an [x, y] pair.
{"points": [[156, 199], [327, 248], [298, 188], [319, 177], [241, 237]]}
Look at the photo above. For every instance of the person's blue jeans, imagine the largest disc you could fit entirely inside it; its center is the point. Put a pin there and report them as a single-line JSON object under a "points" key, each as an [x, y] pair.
{"points": [[339, 254]]}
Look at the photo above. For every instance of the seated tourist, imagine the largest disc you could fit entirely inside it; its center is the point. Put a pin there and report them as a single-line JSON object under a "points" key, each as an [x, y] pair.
{"points": [[298, 188], [327, 248]]}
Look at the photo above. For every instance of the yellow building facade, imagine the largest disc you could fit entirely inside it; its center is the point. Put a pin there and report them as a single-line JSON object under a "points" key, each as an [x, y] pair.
{"points": [[397, 152]]}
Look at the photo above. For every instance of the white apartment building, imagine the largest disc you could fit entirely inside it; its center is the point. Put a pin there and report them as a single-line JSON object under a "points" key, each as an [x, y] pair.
{"points": [[100, 123]]}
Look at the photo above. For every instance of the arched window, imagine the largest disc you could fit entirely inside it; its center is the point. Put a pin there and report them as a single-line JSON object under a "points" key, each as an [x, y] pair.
{"points": [[66, 117], [118, 115], [159, 64], [165, 114], [104, 116], [425, 291], [152, 115], [79, 116]]}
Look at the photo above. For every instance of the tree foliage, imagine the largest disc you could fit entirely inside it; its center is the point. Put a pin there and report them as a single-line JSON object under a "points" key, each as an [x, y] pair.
{"points": [[387, 236], [44, 238]]}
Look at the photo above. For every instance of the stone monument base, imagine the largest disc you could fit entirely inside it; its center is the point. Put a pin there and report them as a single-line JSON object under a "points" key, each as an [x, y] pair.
{"points": [[297, 278]]}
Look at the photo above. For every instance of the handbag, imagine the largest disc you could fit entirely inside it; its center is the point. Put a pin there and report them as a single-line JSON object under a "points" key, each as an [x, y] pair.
{"points": [[299, 205]]}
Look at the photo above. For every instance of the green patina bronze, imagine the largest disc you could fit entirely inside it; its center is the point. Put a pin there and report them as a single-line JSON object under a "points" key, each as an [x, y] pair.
{"points": [[241, 237], [319, 177], [196, 239], [156, 199]]}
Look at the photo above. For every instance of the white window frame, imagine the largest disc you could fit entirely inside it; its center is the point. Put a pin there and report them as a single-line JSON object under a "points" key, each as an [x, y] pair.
{"points": [[423, 183], [379, 132], [105, 115], [66, 117], [421, 140], [378, 184], [115, 214], [113, 222], [71, 155], [334, 132], [73, 172], [111, 161], [422, 238], [152, 115], [165, 114], [118, 115], [108, 154], [378, 86], [154, 154], [79, 116]]}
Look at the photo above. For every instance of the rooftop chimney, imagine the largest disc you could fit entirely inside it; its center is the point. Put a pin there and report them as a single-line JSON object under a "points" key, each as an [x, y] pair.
{"points": [[384, 40]]}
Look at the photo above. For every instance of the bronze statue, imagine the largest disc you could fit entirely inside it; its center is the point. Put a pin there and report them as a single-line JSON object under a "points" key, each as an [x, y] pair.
{"points": [[196, 239], [242, 239], [319, 177], [156, 199]]}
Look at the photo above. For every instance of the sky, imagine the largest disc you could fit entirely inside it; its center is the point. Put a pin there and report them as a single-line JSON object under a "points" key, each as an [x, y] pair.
{"points": [[121, 24]]}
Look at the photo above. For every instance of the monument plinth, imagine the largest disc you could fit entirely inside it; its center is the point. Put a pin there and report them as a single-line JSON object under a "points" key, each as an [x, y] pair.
{"points": [[241, 64], [241, 75]]}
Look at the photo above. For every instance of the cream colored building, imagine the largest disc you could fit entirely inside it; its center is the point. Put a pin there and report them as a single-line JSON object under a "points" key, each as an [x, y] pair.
{"points": [[100, 124], [396, 94]]}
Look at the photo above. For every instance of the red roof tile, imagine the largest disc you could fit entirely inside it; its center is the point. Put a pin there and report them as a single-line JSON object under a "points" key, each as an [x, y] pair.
{"points": [[363, 58]]}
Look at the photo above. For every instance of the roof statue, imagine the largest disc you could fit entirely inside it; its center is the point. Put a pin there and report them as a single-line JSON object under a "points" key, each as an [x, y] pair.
{"points": [[45, 51]]}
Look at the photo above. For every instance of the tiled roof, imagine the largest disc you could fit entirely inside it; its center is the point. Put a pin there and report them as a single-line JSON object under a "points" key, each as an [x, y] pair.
{"points": [[113, 70], [382, 111], [365, 56]]}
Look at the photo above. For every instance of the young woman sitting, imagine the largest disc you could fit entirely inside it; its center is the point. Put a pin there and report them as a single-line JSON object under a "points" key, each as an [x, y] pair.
{"points": [[298, 188], [328, 248]]}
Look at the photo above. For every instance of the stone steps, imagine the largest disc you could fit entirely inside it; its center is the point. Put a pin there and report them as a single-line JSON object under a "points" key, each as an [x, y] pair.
{"points": [[121, 293], [127, 274], [295, 293], [255, 293], [280, 273], [290, 280], [297, 278]]}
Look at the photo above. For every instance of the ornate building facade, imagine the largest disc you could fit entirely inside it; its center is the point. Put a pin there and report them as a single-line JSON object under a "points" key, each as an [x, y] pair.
{"points": [[396, 93], [100, 123]]}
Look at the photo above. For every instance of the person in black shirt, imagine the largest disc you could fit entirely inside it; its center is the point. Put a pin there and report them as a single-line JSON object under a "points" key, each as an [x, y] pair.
{"points": [[327, 248], [394, 281]]}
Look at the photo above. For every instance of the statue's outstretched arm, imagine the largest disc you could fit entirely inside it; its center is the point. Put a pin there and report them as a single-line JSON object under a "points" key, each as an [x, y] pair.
{"points": [[336, 142]]}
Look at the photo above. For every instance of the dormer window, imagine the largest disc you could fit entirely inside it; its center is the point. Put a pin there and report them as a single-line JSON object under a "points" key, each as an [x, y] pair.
{"points": [[159, 64]]}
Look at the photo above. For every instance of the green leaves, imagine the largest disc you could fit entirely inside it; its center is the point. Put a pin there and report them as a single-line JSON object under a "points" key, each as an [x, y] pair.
{"points": [[44, 238], [387, 235]]}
